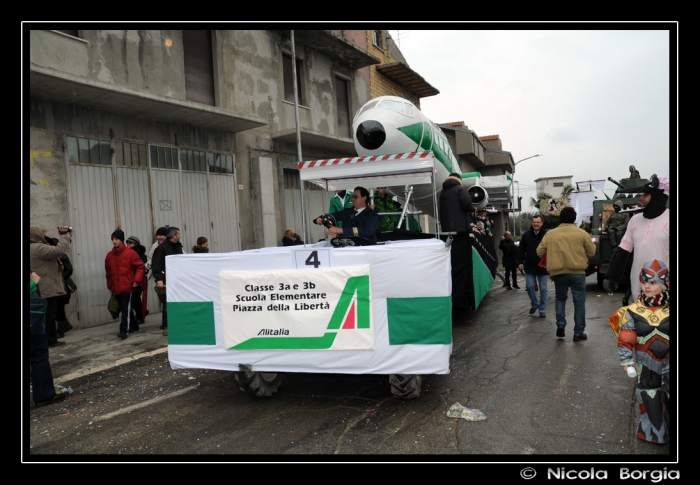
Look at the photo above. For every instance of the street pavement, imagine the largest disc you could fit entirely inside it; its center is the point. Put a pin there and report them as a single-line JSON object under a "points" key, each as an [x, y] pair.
{"points": [[96, 349]]}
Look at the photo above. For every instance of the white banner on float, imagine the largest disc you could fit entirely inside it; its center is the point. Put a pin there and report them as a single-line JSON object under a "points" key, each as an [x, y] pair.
{"points": [[408, 330], [316, 309]]}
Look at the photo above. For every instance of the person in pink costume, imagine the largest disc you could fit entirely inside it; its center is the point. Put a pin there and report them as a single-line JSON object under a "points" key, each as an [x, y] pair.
{"points": [[648, 234]]}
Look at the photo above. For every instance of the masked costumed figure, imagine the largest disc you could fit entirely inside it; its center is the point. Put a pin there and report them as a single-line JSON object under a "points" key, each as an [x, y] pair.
{"points": [[642, 331], [648, 234]]}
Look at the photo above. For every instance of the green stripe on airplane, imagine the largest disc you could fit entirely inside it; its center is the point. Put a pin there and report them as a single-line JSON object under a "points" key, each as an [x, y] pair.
{"points": [[422, 134]]}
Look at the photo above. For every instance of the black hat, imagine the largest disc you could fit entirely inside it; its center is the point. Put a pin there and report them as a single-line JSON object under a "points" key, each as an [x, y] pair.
{"points": [[119, 234], [162, 231], [651, 187], [133, 239], [657, 188]]}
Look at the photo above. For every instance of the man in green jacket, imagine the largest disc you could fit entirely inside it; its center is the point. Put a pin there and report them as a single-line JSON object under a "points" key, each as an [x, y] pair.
{"points": [[568, 249], [342, 199]]}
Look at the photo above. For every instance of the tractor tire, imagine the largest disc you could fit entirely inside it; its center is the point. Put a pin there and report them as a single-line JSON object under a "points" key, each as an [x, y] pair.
{"points": [[258, 384], [405, 386]]}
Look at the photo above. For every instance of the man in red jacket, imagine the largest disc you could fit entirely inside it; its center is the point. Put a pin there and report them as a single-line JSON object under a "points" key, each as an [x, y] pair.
{"points": [[124, 270]]}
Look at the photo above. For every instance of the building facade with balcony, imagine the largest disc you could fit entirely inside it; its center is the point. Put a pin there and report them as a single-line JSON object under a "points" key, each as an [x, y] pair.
{"points": [[194, 129], [197, 129]]}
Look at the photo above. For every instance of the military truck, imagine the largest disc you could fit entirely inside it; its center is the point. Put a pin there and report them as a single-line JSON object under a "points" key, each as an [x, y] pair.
{"points": [[601, 212]]}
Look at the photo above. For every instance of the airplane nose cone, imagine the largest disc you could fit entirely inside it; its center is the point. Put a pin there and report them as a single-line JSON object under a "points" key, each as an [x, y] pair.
{"points": [[370, 135]]}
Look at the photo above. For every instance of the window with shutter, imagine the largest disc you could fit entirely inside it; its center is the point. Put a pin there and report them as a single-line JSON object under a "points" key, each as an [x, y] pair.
{"points": [[377, 38], [343, 107], [289, 79], [199, 66]]}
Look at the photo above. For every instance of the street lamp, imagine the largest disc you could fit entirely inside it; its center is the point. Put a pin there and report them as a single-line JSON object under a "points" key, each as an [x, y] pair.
{"points": [[522, 160], [528, 158]]}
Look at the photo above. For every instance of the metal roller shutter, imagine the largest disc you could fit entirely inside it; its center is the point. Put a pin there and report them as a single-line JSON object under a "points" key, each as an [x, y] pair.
{"points": [[199, 66]]}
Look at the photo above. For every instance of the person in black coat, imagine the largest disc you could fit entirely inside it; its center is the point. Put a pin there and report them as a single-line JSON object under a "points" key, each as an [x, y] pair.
{"points": [[361, 221], [62, 323], [535, 275], [170, 246], [510, 259], [137, 304], [455, 205]]}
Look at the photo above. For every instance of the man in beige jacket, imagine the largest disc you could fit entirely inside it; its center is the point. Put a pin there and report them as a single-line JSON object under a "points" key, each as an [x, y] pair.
{"points": [[568, 249], [43, 260]]}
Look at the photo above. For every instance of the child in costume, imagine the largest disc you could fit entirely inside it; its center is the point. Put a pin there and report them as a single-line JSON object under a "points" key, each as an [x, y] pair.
{"points": [[642, 331]]}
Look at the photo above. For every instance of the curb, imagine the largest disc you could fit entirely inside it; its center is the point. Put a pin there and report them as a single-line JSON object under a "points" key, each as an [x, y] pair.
{"points": [[99, 368]]}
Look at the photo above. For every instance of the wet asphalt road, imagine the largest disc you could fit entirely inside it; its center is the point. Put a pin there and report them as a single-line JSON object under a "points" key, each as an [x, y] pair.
{"points": [[546, 400]]}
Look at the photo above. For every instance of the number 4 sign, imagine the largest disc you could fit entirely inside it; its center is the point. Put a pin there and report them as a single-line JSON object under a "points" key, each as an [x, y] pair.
{"points": [[312, 258]]}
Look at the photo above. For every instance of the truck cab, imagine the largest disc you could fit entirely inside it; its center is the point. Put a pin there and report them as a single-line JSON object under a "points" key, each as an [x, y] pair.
{"points": [[601, 212]]}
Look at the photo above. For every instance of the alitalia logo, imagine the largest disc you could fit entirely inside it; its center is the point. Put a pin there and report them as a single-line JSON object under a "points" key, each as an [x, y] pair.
{"points": [[351, 313], [269, 331]]}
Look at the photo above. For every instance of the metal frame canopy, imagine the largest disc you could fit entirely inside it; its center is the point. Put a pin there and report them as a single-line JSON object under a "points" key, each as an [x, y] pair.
{"points": [[379, 171], [375, 171]]}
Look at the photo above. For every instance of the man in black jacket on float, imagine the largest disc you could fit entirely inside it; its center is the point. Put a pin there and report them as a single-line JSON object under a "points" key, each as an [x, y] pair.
{"points": [[455, 205], [361, 221], [170, 246], [534, 274]]}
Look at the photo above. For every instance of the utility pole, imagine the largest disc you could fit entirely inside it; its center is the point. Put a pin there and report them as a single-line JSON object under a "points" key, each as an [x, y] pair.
{"points": [[517, 221]]}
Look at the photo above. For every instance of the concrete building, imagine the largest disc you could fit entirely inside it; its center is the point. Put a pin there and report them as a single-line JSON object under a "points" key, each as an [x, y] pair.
{"points": [[194, 129], [553, 185], [136, 129]]}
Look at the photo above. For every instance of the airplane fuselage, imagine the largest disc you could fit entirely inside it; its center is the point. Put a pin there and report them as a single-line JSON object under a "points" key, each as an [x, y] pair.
{"points": [[390, 124]]}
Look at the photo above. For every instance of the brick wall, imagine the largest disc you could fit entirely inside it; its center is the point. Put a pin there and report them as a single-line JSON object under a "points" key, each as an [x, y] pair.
{"points": [[380, 85]]}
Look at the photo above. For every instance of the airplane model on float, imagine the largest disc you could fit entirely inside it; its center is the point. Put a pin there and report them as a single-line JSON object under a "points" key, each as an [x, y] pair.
{"points": [[391, 124]]}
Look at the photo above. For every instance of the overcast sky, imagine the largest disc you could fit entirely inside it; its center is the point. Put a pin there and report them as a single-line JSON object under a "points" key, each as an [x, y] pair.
{"points": [[591, 102]]}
